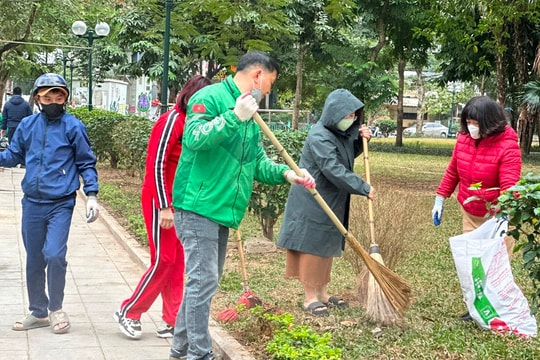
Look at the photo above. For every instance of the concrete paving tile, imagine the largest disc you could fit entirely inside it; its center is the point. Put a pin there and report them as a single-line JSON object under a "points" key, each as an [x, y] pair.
{"points": [[10, 294], [14, 354], [87, 353], [45, 339], [11, 313], [146, 353]]}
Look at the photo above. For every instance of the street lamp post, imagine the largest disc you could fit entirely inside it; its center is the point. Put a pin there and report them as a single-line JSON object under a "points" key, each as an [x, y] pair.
{"points": [[166, 37], [64, 61], [101, 30], [71, 66]]}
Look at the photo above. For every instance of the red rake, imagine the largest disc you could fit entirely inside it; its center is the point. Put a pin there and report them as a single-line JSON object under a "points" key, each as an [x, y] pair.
{"points": [[248, 299]]}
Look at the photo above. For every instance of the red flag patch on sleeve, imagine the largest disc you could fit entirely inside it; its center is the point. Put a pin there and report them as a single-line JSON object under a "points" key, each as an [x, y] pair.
{"points": [[198, 108]]}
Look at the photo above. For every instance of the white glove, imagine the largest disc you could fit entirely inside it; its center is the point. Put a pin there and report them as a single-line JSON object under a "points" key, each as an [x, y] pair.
{"points": [[307, 180], [436, 212], [245, 107], [92, 209]]}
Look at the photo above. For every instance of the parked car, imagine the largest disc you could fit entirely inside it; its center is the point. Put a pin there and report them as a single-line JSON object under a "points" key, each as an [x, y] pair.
{"points": [[434, 129], [375, 131], [410, 131]]}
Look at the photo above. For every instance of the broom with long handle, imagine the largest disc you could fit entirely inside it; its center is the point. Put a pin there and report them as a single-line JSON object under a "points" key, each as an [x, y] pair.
{"points": [[378, 308], [396, 289], [248, 297]]}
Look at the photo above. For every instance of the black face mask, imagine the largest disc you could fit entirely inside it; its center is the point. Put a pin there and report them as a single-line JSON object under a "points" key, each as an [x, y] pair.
{"points": [[53, 111]]}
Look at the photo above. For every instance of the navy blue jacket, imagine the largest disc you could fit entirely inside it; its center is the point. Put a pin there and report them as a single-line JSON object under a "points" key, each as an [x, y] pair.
{"points": [[14, 111], [55, 152]]}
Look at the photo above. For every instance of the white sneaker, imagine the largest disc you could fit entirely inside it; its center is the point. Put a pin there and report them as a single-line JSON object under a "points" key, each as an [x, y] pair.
{"points": [[165, 331], [130, 327]]}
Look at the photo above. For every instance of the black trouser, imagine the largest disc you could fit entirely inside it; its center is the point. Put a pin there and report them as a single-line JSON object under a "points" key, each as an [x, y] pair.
{"points": [[10, 132]]}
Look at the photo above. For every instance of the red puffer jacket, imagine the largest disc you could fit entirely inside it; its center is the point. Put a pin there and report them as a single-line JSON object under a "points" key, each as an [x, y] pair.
{"points": [[495, 162]]}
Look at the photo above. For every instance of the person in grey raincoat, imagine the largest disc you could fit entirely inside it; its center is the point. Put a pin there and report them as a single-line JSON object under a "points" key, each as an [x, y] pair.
{"points": [[308, 234]]}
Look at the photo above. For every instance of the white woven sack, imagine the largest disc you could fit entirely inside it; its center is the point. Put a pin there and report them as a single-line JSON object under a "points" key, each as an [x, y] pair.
{"points": [[493, 299]]}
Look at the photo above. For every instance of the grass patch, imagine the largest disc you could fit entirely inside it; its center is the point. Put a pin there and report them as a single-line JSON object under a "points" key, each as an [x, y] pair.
{"points": [[406, 183]]}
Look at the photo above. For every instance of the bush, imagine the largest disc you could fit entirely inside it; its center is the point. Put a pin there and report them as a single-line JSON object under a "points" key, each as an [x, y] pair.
{"points": [[420, 147], [99, 124], [386, 126], [521, 203], [289, 341], [267, 202], [129, 140]]}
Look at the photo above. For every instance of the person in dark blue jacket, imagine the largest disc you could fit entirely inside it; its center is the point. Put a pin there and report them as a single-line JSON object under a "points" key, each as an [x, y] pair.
{"points": [[55, 147], [14, 111]]}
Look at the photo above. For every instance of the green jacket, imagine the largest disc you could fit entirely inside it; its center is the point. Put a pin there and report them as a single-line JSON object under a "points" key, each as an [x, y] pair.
{"points": [[221, 156]]}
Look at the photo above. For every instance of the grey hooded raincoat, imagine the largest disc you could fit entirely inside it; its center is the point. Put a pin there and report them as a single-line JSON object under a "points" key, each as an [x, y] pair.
{"points": [[328, 155]]}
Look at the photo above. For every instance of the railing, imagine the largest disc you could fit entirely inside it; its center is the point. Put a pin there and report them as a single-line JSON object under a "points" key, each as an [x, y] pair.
{"points": [[278, 119]]}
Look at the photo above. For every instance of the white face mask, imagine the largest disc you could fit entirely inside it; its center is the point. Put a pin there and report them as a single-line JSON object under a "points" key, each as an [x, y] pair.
{"points": [[346, 123], [474, 131]]}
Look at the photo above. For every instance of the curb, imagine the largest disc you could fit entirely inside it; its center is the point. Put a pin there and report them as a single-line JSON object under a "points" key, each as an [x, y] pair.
{"points": [[224, 345]]}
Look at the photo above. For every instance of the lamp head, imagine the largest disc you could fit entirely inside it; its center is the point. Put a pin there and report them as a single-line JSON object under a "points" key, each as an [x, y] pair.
{"points": [[102, 29], [78, 28]]}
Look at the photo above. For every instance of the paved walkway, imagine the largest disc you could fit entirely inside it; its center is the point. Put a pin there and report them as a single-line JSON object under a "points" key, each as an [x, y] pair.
{"points": [[104, 265]]}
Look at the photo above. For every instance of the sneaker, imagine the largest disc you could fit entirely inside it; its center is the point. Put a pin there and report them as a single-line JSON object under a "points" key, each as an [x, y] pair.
{"points": [[130, 327], [466, 317], [178, 355], [165, 331]]}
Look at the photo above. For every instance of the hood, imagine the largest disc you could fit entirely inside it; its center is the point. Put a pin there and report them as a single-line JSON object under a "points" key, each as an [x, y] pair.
{"points": [[339, 104], [16, 99]]}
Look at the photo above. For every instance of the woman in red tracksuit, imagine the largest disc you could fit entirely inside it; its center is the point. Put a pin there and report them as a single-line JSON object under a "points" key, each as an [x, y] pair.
{"points": [[165, 276], [486, 153]]}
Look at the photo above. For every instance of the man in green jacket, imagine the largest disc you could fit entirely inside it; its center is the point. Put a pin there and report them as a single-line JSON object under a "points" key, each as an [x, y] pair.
{"points": [[221, 156]]}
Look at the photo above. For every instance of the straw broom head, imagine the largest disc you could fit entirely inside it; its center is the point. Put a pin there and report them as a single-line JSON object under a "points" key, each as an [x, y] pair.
{"points": [[378, 307], [395, 289]]}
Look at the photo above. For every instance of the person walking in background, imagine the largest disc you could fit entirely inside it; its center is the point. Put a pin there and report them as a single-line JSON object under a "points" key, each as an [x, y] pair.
{"points": [[308, 234], [221, 156], [165, 276], [55, 147], [13, 112], [486, 153]]}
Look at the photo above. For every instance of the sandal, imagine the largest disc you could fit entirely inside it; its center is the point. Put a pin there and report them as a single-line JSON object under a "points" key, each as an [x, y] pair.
{"points": [[316, 308], [59, 317], [30, 322], [337, 302]]}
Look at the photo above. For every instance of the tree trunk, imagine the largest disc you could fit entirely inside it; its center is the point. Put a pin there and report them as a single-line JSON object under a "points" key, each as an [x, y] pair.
{"points": [[420, 93], [525, 128], [401, 86], [3, 84], [267, 224], [298, 93], [381, 35], [526, 123]]}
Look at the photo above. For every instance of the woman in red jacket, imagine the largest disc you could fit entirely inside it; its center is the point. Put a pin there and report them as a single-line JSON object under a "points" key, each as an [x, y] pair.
{"points": [[165, 276], [486, 161]]}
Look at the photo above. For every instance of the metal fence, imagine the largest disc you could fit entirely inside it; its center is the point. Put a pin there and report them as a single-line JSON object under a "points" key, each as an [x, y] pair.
{"points": [[278, 119]]}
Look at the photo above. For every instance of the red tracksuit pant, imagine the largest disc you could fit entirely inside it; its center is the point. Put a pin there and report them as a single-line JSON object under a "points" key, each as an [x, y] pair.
{"points": [[165, 276]]}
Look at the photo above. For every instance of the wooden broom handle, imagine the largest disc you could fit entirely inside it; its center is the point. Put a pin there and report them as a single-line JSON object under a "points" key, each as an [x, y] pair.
{"points": [[371, 215], [242, 257]]}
